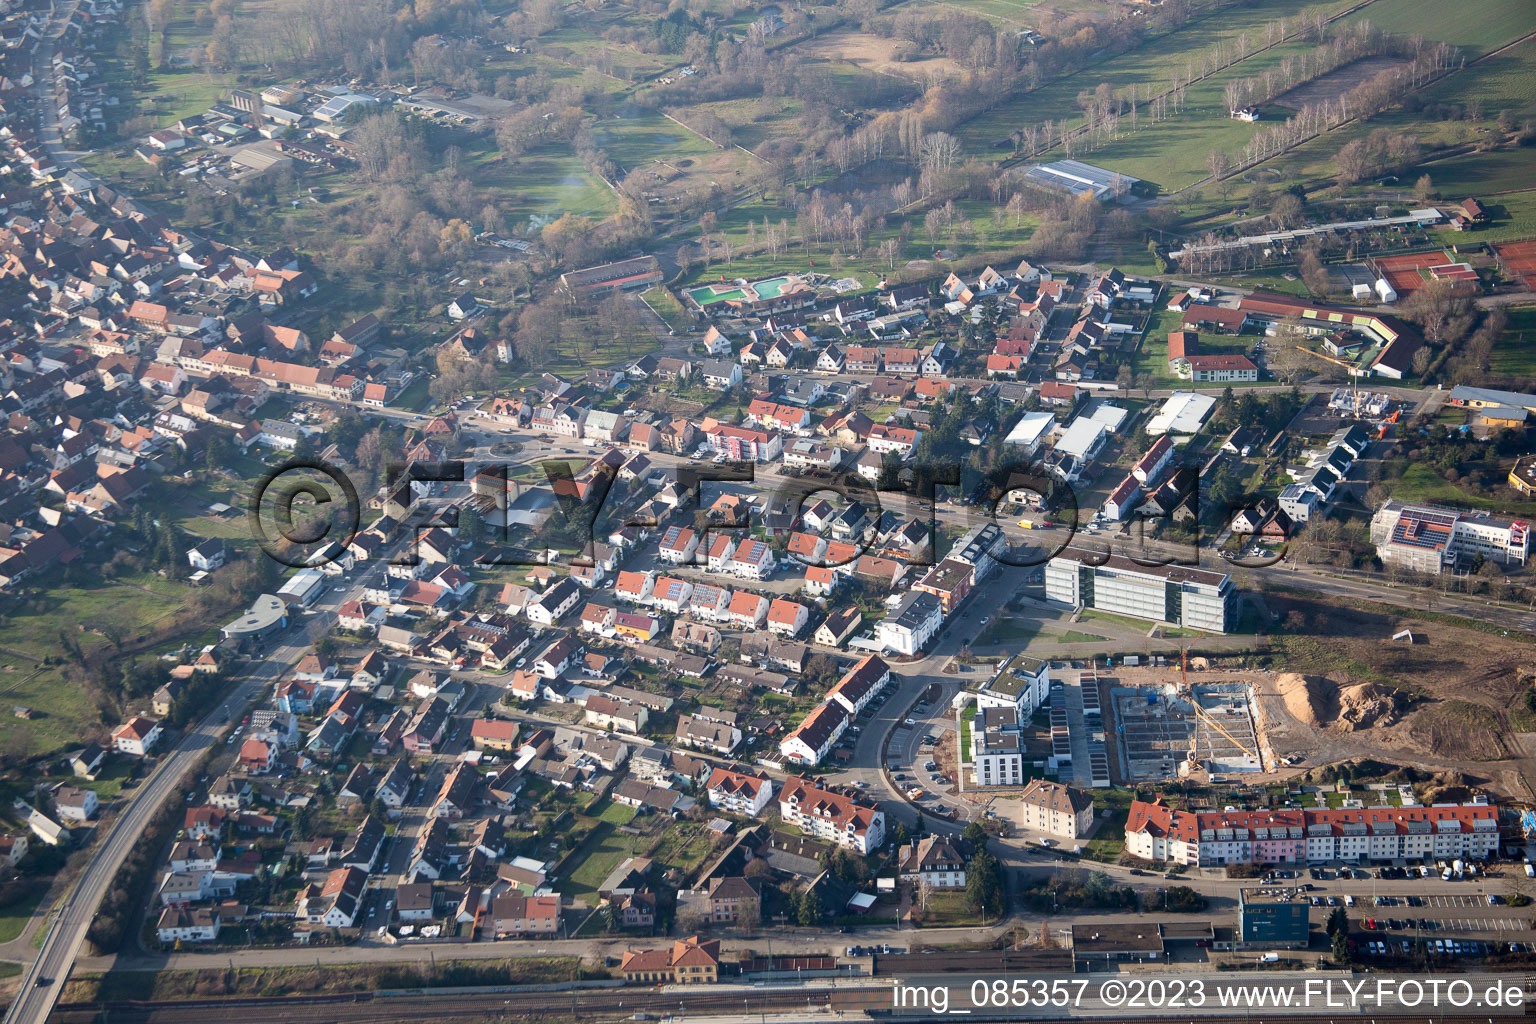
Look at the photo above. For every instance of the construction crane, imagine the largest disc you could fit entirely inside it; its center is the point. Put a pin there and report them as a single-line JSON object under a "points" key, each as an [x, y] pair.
{"points": [[1210, 720], [1349, 368], [1312, 352], [1184, 661]]}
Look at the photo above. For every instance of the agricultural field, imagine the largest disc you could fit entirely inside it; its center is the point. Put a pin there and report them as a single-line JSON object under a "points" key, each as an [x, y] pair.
{"points": [[1336, 82]]}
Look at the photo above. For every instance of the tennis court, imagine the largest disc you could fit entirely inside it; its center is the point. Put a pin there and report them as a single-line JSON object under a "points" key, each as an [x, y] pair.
{"points": [[1519, 259], [1406, 273]]}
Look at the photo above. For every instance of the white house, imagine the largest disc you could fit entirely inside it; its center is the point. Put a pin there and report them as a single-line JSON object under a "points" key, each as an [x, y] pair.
{"points": [[73, 804], [188, 924], [909, 625], [137, 736], [831, 816], [208, 556], [931, 860], [551, 606], [1057, 809], [738, 792], [811, 740]]}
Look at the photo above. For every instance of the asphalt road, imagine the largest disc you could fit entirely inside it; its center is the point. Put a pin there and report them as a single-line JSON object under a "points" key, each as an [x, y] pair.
{"points": [[65, 936], [41, 982]]}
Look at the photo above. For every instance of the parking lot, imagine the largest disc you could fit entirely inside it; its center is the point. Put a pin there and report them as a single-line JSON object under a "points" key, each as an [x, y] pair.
{"points": [[1437, 947], [1461, 900], [1465, 913]]}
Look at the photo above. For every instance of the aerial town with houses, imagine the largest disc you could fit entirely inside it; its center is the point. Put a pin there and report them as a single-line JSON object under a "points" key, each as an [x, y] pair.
{"points": [[1096, 611]]}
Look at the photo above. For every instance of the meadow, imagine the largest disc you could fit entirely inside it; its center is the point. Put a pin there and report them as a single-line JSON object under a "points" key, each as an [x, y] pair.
{"points": [[1514, 355], [1494, 23], [1149, 67]]}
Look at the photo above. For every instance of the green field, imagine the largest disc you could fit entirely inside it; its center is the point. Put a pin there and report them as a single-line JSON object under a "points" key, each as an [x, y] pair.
{"points": [[1514, 355], [1481, 174], [1149, 68], [637, 137], [625, 62], [1172, 153], [1009, 12], [1498, 83], [1002, 243], [606, 847], [1506, 81], [667, 307], [127, 607], [1152, 357], [1421, 483], [13, 919], [1512, 219], [545, 183], [755, 120], [1482, 27]]}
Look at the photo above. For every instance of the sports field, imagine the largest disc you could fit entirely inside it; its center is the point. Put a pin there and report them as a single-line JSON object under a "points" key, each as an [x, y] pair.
{"points": [[1406, 273], [1519, 258]]}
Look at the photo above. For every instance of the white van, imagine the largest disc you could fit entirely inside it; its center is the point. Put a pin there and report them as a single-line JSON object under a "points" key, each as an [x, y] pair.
{"points": [[1349, 901]]}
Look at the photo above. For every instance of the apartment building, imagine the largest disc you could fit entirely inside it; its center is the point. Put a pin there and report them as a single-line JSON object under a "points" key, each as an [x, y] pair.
{"points": [[831, 816], [1195, 598], [1057, 809], [1155, 831]]}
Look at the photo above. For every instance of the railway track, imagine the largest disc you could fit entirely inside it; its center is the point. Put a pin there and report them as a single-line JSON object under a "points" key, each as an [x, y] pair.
{"points": [[370, 1008], [868, 1001], [607, 1005], [988, 961]]}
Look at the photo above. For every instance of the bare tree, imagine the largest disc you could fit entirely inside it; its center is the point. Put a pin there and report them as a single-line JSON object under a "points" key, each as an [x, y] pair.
{"points": [[941, 151]]}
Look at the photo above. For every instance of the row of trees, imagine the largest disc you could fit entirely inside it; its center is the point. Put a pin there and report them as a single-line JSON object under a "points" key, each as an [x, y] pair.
{"points": [[1361, 40], [1363, 101]]}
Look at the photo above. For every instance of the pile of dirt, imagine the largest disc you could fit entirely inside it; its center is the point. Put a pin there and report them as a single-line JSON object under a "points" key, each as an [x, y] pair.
{"points": [[1312, 702], [1369, 704], [1452, 787]]}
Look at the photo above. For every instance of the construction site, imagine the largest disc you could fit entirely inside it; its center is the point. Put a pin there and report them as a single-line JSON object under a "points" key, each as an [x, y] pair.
{"points": [[1163, 731]]}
